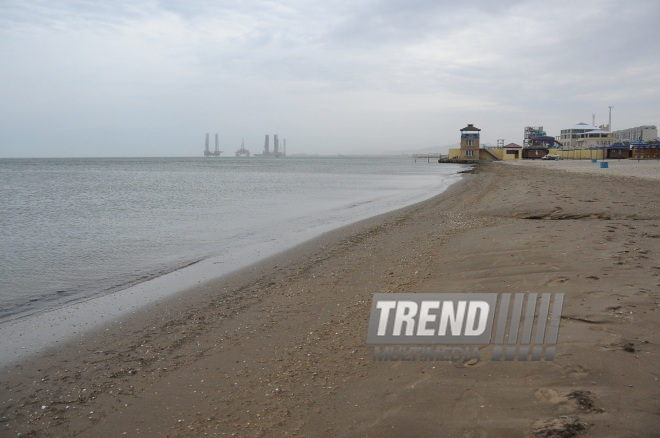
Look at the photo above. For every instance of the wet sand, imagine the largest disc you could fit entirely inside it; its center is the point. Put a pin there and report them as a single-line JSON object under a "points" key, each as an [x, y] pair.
{"points": [[278, 349]]}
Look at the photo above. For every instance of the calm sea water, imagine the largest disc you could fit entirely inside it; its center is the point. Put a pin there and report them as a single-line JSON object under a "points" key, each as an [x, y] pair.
{"points": [[76, 228]]}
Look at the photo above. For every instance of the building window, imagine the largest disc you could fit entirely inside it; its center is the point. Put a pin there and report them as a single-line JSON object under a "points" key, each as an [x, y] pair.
{"points": [[469, 142], [469, 153]]}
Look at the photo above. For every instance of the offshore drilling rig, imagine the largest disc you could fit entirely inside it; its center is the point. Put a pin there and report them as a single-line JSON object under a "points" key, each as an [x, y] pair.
{"points": [[242, 151], [207, 151], [276, 152]]}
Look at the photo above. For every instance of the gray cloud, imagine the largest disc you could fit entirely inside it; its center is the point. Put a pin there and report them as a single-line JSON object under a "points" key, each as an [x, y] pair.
{"points": [[151, 77]]}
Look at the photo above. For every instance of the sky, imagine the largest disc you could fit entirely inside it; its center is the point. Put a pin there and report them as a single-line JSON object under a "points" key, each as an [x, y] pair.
{"points": [[151, 77]]}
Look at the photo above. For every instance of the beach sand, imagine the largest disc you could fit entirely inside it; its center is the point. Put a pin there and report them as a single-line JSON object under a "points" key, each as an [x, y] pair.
{"points": [[648, 169], [278, 349]]}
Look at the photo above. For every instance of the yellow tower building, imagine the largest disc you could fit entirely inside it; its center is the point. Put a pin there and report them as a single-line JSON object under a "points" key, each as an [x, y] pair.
{"points": [[470, 142], [471, 148]]}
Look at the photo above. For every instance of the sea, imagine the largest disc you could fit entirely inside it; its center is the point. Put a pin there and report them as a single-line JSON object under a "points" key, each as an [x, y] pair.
{"points": [[72, 229]]}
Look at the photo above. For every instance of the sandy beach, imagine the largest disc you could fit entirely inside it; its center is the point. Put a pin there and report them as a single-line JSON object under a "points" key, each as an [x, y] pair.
{"points": [[647, 169], [278, 349]]}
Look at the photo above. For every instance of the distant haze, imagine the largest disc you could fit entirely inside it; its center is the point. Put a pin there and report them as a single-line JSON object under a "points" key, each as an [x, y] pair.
{"points": [[151, 78]]}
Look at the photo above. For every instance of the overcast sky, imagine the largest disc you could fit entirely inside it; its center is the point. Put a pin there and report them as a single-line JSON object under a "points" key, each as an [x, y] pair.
{"points": [[151, 78]]}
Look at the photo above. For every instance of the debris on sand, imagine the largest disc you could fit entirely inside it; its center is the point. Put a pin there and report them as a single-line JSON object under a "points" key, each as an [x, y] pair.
{"points": [[561, 427]]}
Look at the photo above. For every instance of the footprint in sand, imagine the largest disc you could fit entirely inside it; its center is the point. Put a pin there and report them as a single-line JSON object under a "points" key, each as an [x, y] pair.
{"points": [[574, 401], [468, 404], [575, 371], [556, 280], [392, 397], [552, 396], [389, 414], [549, 395], [643, 292]]}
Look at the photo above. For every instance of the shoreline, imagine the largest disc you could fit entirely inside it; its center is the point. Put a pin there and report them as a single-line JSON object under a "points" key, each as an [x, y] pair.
{"points": [[29, 334], [182, 221], [279, 348]]}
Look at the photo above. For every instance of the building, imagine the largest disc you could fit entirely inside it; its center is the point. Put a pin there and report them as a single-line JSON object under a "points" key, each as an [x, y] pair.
{"points": [[569, 137], [645, 133], [471, 148], [531, 136], [640, 150], [470, 141], [583, 141], [596, 138], [512, 151]]}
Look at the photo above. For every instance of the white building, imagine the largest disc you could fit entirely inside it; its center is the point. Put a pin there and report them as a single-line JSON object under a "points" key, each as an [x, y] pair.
{"points": [[645, 133], [595, 138], [583, 136], [568, 137]]}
